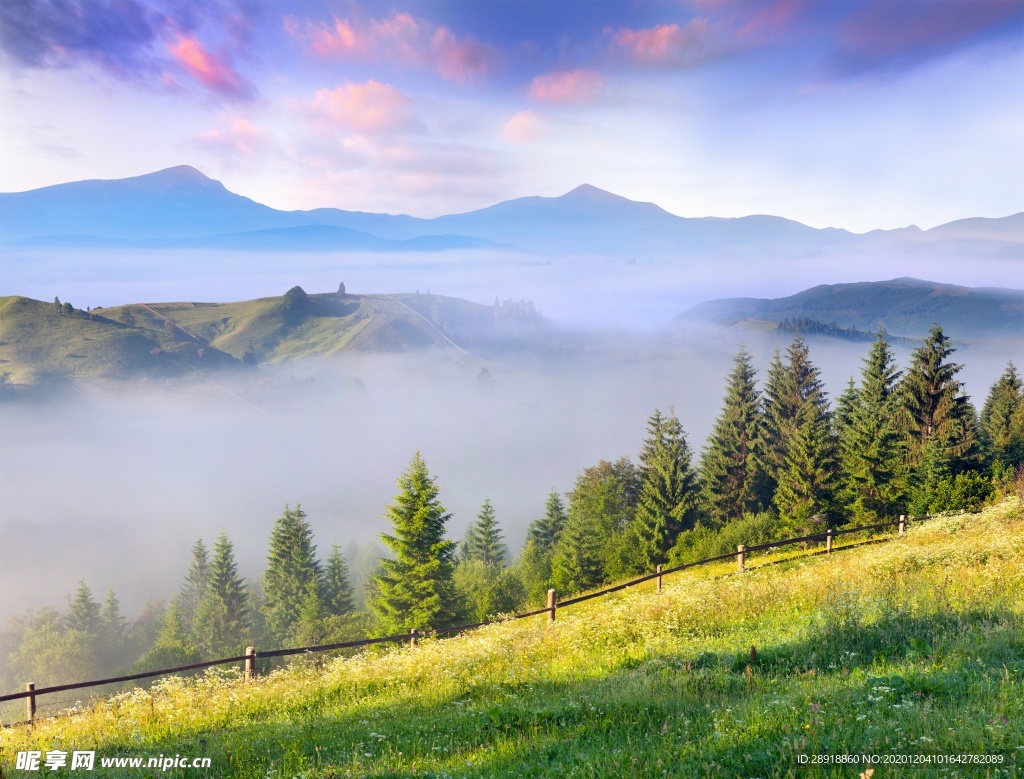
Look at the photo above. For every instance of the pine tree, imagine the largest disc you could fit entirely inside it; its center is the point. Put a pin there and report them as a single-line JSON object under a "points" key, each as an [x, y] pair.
{"points": [[223, 620], [545, 532], [483, 539], [728, 468], [291, 566], [310, 627], [113, 624], [174, 644], [668, 502], [192, 590], [577, 563], [337, 586], [846, 405], [933, 405], [871, 449], [803, 437], [416, 588], [778, 413], [84, 612], [1002, 420]]}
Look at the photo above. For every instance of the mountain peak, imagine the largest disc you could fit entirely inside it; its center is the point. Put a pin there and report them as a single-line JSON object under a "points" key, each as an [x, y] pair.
{"points": [[591, 193]]}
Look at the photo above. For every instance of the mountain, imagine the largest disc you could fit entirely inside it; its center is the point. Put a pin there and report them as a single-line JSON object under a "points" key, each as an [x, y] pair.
{"points": [[181, 204], [903, 307]]}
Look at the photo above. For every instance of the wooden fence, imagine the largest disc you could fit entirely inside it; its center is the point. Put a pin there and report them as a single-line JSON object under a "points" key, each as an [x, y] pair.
{"points": [[251, 655]]}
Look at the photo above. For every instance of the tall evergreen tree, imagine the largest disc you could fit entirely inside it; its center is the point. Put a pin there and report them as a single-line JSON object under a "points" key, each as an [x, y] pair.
{"points": [[846, 405], [576, 562], [934, 406], [1002, 420], [871, 449], [192, 590], [483, 539], [778, 414], [544, 532], [668, 502], [801, 438], [223, 621], [84, 613], [291, 566], [337, 584], [728, 468], [416, 588]]}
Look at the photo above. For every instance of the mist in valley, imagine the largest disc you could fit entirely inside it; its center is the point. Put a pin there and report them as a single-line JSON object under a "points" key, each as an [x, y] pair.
{"points": [[112, 483]]}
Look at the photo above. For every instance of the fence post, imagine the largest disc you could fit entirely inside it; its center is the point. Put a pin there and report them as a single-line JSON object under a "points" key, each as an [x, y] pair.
{"points": [[250, 663], [741, 557], [903, 524], [828, 541], [30, 702], [551, 605], [659, 577], [412, 637]]}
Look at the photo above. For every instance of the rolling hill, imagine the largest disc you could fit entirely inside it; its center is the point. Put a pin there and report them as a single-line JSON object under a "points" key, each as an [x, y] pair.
{"points": [[903, 307], [182, 207], [38, 344]]}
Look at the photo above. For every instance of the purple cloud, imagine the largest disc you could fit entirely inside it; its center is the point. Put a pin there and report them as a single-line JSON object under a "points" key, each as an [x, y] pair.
{"points": [[131, 40]]}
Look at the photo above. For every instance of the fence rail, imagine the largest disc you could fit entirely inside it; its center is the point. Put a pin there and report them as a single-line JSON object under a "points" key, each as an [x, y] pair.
{"points": [[31, 693]]}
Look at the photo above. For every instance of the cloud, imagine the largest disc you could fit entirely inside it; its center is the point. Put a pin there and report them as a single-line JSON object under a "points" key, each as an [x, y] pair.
{"points": [[670, 44], [132, 40], [525, 127], [214, 72], [887, 36], [372, 108], [400, 39], [240, 139], [567, 86]]}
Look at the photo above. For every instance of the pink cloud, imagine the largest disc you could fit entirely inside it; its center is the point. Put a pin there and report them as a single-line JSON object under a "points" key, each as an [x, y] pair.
{"points": [[214, 73], [240, 139], [525, 127], [401, 39], [567, 86], [669, 44], [370, 108]]}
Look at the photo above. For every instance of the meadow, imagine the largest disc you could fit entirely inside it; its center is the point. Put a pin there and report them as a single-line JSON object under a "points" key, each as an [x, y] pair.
{"points": [[910, 647]]}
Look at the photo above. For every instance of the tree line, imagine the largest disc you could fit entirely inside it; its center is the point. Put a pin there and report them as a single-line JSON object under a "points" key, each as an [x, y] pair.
{"points": [[782, 459]]}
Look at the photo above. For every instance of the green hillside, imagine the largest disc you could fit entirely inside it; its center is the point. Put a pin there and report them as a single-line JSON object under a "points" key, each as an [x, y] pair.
{"points": [[38, 344], [910, 647], [903, 307], [181, 339]]}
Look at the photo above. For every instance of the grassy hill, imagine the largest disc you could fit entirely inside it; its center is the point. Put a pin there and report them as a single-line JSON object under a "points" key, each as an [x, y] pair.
{"points": [[904, 307], [181, 339], [914, 646], [37, 344]]}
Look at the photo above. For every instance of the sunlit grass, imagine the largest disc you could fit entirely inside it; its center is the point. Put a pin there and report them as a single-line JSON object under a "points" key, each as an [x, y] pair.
{"points": [[912, 646]]}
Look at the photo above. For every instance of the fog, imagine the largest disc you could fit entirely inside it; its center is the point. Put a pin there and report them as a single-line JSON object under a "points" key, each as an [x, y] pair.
{"points": [[113, 483], [592, 291]]}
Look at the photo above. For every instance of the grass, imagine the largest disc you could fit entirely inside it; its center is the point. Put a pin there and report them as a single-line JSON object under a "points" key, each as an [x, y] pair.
{"points": [[914, 646], [38, 345]]}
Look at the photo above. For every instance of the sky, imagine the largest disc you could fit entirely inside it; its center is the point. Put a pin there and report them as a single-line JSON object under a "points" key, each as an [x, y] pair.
{"points": [[862, 115]]}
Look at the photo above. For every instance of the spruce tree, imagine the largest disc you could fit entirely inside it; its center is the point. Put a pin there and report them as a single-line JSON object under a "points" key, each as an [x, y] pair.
{"points": [[84, 612], [778, 413], [291, 566], [576, 562], [846, 405], [544, 532], [223, 620], [483, 539], [416, 588], [933, 405], [1002, 420], [192, 590], [728, 468], [668, 502], [871, 450], [804, 439], [337, 585]]}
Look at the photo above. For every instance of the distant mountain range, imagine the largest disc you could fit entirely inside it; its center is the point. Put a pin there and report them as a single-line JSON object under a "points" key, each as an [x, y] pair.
{"points": [[902, 307], [182, 208]]}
